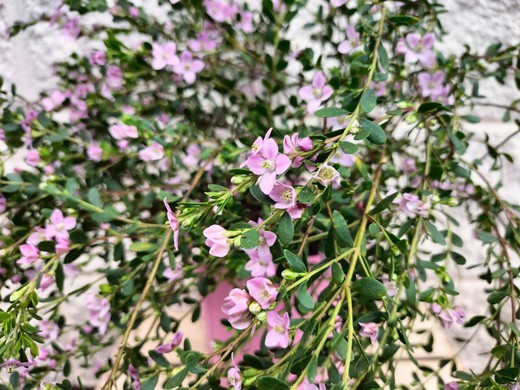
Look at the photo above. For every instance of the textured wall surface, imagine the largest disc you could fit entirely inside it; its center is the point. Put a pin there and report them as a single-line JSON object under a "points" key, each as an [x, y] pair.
{"points": [[26, 60]]}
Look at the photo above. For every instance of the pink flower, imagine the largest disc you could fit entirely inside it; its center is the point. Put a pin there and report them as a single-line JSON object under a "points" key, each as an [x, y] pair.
{"points": [[416, 48], [260, 265], [296, 211], [46, 281], [267, 239], [94, 152], [114, 79], [412, 205], [352, 43], [283, 195], [59, 226], [451, 386], [267, 163], [203, 42], [71, 27], [173, 275], [30, 254], [98, 57], [236, 308], [134, 375], [316, 93], [217, 240], [408, 165], [432, 85], [62, 245], [369, 329], [3, 204], [343, 159], [37, 236], [220, 11], [174, 224], [32, 158], [55, 99], [326, 174], [99, 312], [262, 290], [379, 88], [293, 146], [233, 375], [257, 146], [121, 131], [153, 152], [164, 55], [165, 348], [188, 67], [246, 22], [278, 334], [449, 316]]}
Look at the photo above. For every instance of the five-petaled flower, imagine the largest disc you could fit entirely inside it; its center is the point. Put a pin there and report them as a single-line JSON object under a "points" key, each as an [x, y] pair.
{"points": [[218, 241], [59, 226], [262, 290], [268, 163], [278, 334], [369, 329], [316, 93]]}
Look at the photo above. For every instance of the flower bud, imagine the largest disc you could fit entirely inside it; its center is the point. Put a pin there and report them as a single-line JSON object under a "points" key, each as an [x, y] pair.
{"points": [[289, 274], [452, 202], [255, 308], [262, 316]]}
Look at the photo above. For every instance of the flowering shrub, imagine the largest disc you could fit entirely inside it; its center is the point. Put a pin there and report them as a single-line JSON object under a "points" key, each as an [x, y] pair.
{"points": [[209, 146]]}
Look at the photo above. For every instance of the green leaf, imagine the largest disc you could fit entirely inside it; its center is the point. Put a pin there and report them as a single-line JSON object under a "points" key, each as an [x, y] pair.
{"points": [[342, 233], [486, 238], [249, 239], [94, 197], [306, 195], [376, 134], [260, 196], [304, 297], [192, 362], [285, 231], [429, 106], [143, 246], [496, 296], [150, 383], [47, 246], [330, 112], [507, 375], [436, 236], [471, 118], [177, 379], [337, 273], [105, 216], [369, 288], [383, 204], [348, 147], [403, 20], [271, 383], [368, 100], [312, 369], [78, 236], [294, 261], [158, 358]]}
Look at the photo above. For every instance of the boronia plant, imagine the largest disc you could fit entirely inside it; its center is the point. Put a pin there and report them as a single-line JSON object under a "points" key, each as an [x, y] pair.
{"points": [[286, 169]]}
